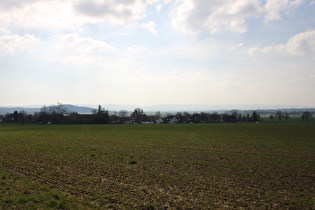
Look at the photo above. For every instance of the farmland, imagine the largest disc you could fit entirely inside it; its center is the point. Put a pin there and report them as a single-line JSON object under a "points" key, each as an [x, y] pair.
{"points": [[246, 165]]}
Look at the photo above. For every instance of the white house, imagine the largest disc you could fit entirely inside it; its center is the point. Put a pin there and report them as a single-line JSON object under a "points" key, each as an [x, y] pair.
{"points": [[158, 121], [173, 120]]}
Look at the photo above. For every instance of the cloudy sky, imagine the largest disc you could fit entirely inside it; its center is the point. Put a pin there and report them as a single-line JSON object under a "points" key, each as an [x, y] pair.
{"points": [[149, 52]]}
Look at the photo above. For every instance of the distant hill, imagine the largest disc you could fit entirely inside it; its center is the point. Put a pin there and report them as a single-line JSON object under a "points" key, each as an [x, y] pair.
{"points": [[4, 110], [78, 109], [69, 107], [202, 107]]}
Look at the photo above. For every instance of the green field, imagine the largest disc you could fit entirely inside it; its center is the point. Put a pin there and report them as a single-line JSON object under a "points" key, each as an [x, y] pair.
{"points": [[250, 166]]}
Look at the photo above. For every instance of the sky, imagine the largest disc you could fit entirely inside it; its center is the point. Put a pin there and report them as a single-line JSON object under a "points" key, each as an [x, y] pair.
{"points": [[150, 52]]}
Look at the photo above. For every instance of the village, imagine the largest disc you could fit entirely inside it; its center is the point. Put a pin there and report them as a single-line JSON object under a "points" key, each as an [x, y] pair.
{"points": [[57, 114]]}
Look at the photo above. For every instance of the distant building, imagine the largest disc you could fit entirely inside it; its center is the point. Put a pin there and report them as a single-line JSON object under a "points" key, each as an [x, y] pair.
{"points": [[158, 121], [173, 120]]}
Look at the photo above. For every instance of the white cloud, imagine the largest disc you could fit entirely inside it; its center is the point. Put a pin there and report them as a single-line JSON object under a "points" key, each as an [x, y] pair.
{"points": [[181, 15], [72, 48], [195, 16], [7, 5], [70, 14], [237, 46], [112, 11], [274, 8], [69, 44], [300, 44], [189, 16], [52, 15], [10, 43], [150, 26], [74, 42]]}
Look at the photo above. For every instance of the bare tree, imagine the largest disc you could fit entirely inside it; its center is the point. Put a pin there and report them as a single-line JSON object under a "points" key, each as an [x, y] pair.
{"points": [[22, 116], [255, 116], [53, 113], [215, 117], [286, 116], [179, 116], [139, 114], [43, 115], [57, 112], [158, 114], [94, 111], [122, 113], [101, 115], [279, 115], [306, 116]]}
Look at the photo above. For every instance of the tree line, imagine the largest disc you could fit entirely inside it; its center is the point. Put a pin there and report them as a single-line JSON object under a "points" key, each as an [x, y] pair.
{"points": [[58, 114], [280, 116]]}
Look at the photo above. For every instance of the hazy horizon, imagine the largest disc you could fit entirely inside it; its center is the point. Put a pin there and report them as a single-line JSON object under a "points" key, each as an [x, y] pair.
{"points": [[157, 52], [174, 107]]}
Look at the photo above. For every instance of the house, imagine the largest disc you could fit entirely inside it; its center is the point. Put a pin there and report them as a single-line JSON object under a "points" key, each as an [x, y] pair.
{"points": [[153, 119], [173, 120], [158, 121]]}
